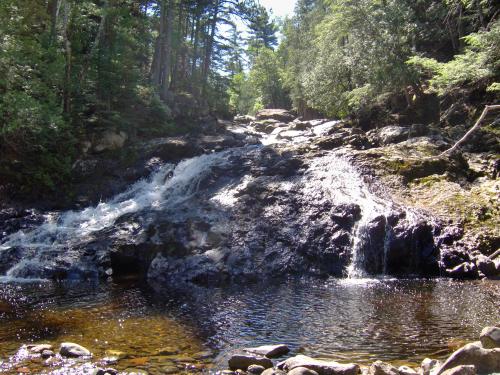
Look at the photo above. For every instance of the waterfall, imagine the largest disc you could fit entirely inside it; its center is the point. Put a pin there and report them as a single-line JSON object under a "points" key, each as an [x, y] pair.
{"points": [[169, 186]]}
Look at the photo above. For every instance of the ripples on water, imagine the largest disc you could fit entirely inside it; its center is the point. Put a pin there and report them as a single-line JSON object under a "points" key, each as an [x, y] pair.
{"points": [[363, 320]]}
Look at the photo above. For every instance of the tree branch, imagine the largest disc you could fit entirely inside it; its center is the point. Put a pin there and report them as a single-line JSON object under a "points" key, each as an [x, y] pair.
{"points": [[476, 125]]}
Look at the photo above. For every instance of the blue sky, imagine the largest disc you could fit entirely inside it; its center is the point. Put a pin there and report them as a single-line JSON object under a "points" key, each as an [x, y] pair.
{"points": [[281, 8]]}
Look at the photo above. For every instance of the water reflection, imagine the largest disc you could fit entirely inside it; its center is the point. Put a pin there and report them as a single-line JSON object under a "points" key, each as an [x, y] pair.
{"points": [[392, 320]]}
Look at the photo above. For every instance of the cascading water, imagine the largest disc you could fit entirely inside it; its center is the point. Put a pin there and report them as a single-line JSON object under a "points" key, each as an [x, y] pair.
{"points": [[167, 187], [225, 204]]}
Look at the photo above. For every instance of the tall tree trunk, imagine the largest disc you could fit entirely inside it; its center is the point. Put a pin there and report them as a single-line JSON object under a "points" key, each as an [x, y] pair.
{"points": [[156, 65], [167, 49], [210, 44], [53, 8], [67, 54]]}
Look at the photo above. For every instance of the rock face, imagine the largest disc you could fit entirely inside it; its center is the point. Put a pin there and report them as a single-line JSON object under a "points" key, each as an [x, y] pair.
{"points": [[275, 114], [490, 337], [69, 349], [269, 351], [485, 361], [321, 367], [109, 140], [243, 362]]}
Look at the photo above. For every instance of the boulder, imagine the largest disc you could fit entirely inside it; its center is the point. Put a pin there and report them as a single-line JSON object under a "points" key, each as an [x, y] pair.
{"points": [[273, 371], [244, 119], [320, 366], [466, 270], [392, 134], [47, 353], [486, 361], [39, 348], [242, 361], [275, 114], [109, 140], [490, 337], [405, 370], [269, 351], [382, 368], [461, 370], [255, 369], [429, 366], [302, 371], [486, 266], [69, 349]]}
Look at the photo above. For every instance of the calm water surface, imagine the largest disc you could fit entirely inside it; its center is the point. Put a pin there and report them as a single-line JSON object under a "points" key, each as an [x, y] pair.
{"points": [[195, 329]]}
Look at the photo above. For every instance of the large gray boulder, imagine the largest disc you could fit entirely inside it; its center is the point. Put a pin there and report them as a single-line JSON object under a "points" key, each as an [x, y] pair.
{"points": [[429, 366], [486, 361], [109, 140], [69, 349], [269, 351], [243, 362], [486, 266], [320, 366], [275, 114], [273, 371], [490, 337], [302, 371]]}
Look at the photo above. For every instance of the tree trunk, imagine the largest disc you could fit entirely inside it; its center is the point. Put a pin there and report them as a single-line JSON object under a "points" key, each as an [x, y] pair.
{"points": [[167, 50], [156, 64], [53, 8], [210, 45], [67, 54]]}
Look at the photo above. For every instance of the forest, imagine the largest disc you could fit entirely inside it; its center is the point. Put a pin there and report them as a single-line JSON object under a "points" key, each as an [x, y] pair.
{"points": [[69, 67]]}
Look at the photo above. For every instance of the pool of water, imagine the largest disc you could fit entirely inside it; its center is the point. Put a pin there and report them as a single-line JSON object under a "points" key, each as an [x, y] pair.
{"points": [[194, 329]]}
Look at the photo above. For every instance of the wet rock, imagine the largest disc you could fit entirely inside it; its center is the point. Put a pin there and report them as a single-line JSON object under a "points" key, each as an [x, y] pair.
{"points": [[273, 371], [302, 371], [405, 370], [269, 351], [461, 370], [106, 371], [69, 349], [429, 366], [39, 348], [242, 362], [485, 360], [486, 266], [320, 366], [490, 337], [382, 368], [244, 119], [392, 134], [47, 353], [255, 369], [276, 114], [465, 270]]}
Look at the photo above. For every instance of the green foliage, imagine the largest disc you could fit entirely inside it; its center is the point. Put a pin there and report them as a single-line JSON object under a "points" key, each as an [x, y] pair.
{"points": [[480, 61]]}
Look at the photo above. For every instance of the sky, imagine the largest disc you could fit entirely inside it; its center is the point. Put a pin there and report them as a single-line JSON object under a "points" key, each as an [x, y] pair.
{"points": [[281, 8]]}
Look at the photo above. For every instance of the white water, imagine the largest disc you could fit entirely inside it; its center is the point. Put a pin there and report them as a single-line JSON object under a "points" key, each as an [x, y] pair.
{"points": [[167, 187], [344, 185]]}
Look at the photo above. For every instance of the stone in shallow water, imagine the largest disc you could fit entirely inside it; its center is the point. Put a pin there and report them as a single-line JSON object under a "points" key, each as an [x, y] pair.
{"points": [[255, 370], [382, 368], [242, 361], [429, 366], [47, 354], [405, 370], [486, 361], [321, 367], [490, 337], [273, 371], [69, 349], [39, 348], [270, 351], [302, 371], [461, 370]]}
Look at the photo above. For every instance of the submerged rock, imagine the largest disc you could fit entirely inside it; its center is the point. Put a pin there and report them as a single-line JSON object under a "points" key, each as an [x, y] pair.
{"points": [[69, 349], [242, 362], [320, 366], [269, 351], [255, 369]]}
